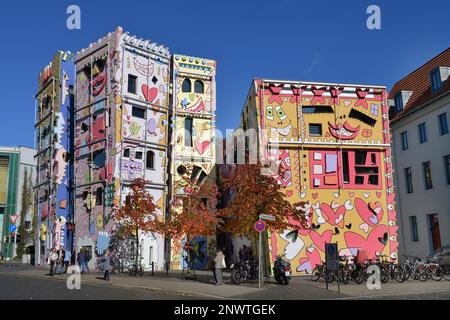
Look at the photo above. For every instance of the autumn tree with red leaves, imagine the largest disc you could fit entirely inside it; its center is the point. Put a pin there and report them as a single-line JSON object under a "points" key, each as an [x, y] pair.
{"points": [[253, 193], [193, 212], [138, 213]]}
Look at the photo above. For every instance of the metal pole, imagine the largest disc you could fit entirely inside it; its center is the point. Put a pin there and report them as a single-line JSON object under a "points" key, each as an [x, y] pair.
{"points": [[9, 247], [259, 258]]}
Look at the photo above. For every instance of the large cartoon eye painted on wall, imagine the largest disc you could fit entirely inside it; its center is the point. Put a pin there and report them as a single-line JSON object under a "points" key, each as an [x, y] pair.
{"points": [[269, 113], [280, 113]]}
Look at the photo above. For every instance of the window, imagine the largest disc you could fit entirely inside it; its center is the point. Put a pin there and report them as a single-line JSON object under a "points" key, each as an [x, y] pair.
{"points": [[126, 153], [398, 102], [408, 179], [138, 112], [150, 160], [414, 229], [84, 127], [315, 129], [99, 197], [443, 124], [447, 168], [186, 86], [199, 87], [317, 109], [138, 155], [422, 133], [427, 175], [436, 82], [132, 80], [202, 177], [188, 132], [99, 158], [404, 136], [195, 172], [360, 169]]}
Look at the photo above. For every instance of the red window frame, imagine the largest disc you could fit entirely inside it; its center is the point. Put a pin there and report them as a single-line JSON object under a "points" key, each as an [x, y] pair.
{"points": [[352, 168]]}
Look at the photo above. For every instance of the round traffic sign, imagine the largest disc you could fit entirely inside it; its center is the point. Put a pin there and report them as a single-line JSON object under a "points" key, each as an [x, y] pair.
{"points": [[12, 228], [260, 226]]}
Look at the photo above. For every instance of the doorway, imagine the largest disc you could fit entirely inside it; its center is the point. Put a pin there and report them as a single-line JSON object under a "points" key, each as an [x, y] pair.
{"points": [[435, 233]]}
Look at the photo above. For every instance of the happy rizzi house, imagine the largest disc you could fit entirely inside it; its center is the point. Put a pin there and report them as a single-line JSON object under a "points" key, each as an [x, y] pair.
{"points": [[129, 107], [333, 141]]}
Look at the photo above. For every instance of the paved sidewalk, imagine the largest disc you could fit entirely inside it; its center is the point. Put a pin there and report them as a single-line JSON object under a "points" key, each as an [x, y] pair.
{"points": [[160, 282]]}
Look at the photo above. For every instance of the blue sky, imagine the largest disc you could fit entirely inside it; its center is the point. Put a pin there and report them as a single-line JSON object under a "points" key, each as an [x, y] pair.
{"points": [[297, 40]]}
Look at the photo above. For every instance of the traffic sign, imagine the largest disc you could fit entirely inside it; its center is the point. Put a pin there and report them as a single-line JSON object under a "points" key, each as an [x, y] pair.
{"points": [[12, 228], [13, 218], [260, 226], [266, 217]]}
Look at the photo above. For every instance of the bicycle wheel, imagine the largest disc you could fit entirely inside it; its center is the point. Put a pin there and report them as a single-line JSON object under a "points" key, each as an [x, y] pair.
{"points": [[344, 274], [359, 275], [385, 273], [399, 274], [437, 274], [424, 275], [408, 272], [316, 274], [446, 273]]}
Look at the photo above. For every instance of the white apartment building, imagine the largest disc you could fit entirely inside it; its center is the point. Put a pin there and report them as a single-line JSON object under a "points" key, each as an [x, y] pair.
{"points": [[420, 116]]}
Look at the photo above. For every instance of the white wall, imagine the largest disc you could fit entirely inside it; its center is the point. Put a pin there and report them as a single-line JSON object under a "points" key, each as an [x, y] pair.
{"points": [[422, 202]]}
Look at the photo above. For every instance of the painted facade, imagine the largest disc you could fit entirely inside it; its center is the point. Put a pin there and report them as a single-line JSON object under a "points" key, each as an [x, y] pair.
{"points": [[54, 107], [333, 141], [120, 135], [122, 128], [193, 139]]}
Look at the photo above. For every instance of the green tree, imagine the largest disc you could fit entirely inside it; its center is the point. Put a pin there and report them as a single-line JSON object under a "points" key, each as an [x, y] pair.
{"points": [[26, 203]]}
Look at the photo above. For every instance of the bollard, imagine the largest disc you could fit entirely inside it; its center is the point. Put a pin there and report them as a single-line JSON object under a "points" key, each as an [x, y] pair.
{"points": [[153, 268]]}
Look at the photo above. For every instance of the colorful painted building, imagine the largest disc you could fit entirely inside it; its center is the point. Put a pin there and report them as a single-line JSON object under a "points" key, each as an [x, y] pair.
{"points": [[54, 142], [121, 122], [193, 118], [333, 141], [132, 103]]}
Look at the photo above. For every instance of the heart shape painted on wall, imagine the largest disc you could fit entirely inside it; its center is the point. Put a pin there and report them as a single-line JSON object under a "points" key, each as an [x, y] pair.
{"points": [[150, 94], [201, 147]]}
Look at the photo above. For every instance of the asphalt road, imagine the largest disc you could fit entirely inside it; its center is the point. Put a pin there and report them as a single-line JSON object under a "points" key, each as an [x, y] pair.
{"points": [[13, 287]]}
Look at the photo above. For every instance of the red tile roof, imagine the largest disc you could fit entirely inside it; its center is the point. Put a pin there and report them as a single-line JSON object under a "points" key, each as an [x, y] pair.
{"points": [[419, 82]]}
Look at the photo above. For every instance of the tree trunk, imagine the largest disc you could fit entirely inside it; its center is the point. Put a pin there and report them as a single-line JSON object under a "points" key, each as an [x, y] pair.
{"points": [[137, 249]]}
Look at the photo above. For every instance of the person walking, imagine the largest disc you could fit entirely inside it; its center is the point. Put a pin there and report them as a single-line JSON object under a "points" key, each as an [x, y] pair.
{"points": [[60, 261], [219, 264], [82, 261], [106, 265], [67, 259], [212, 264], [52, 260]]}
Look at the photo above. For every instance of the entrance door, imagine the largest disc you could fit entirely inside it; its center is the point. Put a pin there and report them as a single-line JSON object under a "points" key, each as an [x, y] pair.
{"points": [[434, 231]]}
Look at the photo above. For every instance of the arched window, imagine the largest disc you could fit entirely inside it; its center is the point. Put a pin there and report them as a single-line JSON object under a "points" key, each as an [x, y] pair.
{"points": [[150, 160], [199, 87], [187, 86]]}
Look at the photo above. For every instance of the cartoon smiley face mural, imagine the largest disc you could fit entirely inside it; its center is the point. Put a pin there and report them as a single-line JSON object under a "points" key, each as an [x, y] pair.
{"points": [[278, 121], [340, 166]]}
